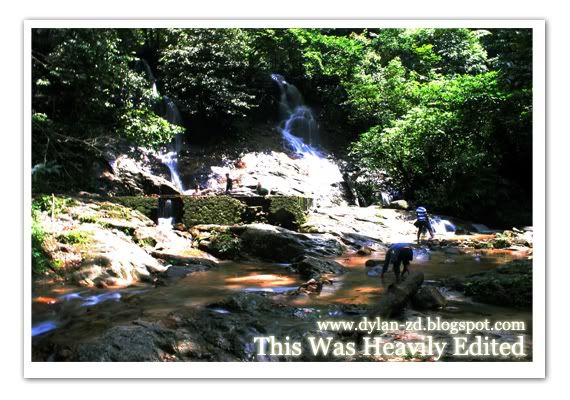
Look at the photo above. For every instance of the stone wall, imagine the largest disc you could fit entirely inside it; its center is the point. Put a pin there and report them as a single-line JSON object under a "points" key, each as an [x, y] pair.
{"points": [[285, 211]]}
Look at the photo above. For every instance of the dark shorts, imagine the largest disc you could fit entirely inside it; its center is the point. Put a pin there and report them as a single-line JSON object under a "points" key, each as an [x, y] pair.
{"points": [[424, 225]]}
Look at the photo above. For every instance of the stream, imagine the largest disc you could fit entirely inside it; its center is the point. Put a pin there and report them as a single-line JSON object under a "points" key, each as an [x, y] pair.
{"points": [[68, 314]]}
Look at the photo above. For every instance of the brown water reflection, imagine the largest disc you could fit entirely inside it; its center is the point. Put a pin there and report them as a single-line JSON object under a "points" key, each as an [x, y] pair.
{"points": [[81, 313]]}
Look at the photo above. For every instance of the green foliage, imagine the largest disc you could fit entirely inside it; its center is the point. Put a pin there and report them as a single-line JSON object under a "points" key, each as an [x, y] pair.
{"points": [[53, 204], [447, 113], [40, 261], [204, 71], [88, 88], [75, 237], [224, 245], [508, 285], [147, 206], [143, 126], [222, 210]]}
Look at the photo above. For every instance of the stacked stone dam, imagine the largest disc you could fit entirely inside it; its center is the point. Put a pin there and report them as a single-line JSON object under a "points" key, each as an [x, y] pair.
{"points": [[285, 211]]}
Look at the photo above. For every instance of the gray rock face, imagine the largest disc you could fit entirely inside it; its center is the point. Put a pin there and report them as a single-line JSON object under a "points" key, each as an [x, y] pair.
{"points": [[316, 178], [400, 205], [128, 172], [272, 243], [428, 298], [115, 260], [142, 341], [313, 268]]}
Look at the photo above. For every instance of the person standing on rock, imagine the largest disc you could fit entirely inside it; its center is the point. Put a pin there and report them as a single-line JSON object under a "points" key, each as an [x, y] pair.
{"points": [[229, 183], [423, 222], [398, 253]]}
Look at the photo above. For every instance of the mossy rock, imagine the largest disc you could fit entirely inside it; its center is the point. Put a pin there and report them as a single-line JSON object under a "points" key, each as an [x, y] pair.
{"points": [[217, 210], [147, 206], [288, 211], [224, 245], [507, 285]]}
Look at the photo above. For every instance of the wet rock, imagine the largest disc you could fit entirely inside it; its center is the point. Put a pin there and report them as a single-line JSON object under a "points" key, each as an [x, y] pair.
{"points": [[400, 205], [428, 298], [373, 263], [507, 285], [280, 174], [180, 260], [131, 176], [272, 243], [397, 296], [114, 259], [313, 286], [140, 341], [314, 268], [175, 273], [364, 251], [246, 303]]}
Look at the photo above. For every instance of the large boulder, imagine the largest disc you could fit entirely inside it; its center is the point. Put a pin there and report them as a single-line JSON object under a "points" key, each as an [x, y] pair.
{"points": [[507, 285], [271, 243], [127, 176], [428, 298], [400, 205], [112, 259], [139, 341], [313, 268], [397, 296]]}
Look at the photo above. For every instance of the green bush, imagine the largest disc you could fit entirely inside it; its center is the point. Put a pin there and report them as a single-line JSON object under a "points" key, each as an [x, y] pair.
{"points": [[224, 245], [52, 204], [40, 261], [75, 237]]}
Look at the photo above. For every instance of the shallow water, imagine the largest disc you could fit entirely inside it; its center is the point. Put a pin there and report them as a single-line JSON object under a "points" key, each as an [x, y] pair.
{"points": [[66, 314]]}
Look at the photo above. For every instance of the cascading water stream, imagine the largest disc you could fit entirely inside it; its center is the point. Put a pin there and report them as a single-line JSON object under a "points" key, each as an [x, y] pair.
{"points": [[300, 131], [166, 217], [442, 226], [169, 156]]}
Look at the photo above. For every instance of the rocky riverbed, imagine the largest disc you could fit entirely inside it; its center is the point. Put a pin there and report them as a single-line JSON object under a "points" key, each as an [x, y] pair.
{"points": [[124, 288]]}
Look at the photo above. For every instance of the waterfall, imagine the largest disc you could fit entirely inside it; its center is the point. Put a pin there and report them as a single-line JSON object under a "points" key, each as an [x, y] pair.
{"points": [[442, 226], [150, 76], [170, 159], [166, 214], [299, 126], [300, 131], [169, 155], [173, 116]]}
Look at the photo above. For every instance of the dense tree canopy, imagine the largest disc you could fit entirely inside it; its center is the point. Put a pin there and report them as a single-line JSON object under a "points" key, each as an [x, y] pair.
{"points": [[445, 112]]}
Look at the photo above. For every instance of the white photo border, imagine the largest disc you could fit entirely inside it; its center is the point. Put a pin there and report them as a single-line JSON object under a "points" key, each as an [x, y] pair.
{"points": [[334, 370]]}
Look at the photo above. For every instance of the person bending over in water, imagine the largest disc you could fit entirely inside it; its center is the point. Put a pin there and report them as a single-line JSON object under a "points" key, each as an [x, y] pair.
{"points": [[423, 223], [398, 253]]}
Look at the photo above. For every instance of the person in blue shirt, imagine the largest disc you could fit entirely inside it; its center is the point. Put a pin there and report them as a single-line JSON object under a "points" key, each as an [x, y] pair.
{"points": [[423, 222], [398, 253]]}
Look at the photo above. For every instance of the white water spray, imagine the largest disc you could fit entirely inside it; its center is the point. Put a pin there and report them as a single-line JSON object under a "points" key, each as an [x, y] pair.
{"points": [[169, 156], [300, 131], [442, 226], [166, 219]]}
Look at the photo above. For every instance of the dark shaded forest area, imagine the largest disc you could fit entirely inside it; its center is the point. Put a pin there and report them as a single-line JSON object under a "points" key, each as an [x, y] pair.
{"points": [[445, 113]]}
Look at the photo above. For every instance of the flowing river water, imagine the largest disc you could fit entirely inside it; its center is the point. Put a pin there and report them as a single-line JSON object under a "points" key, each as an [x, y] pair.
{"points": [[68, 314]]}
